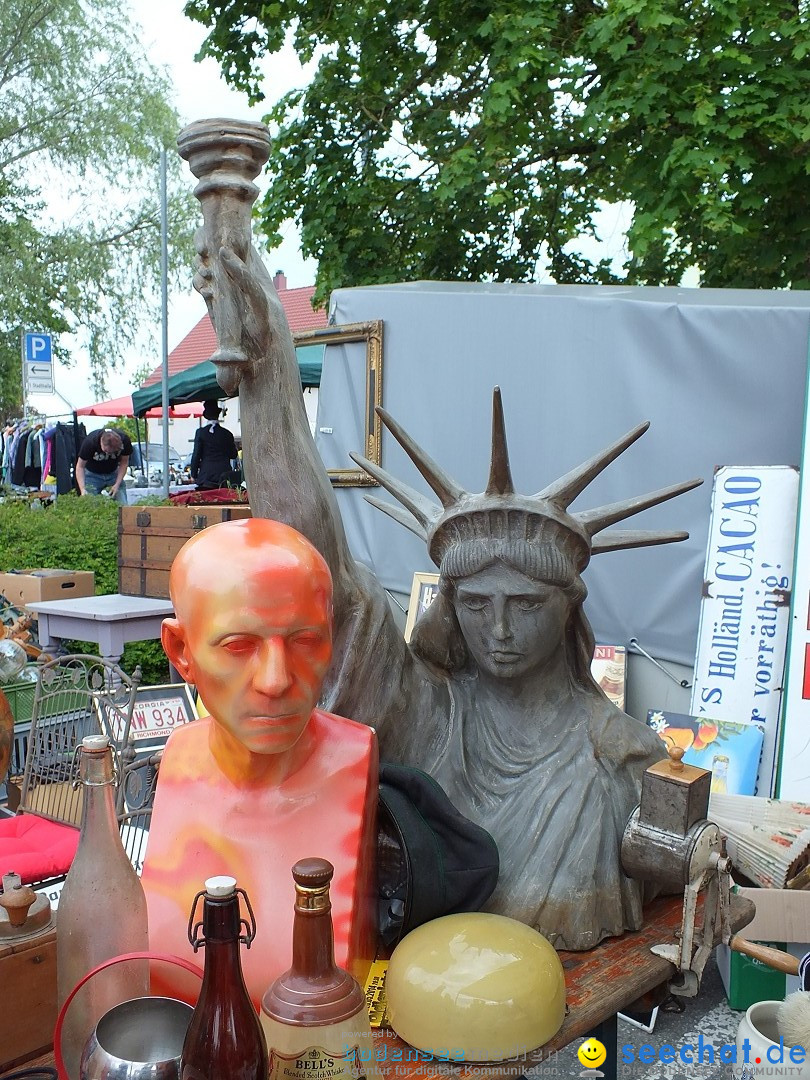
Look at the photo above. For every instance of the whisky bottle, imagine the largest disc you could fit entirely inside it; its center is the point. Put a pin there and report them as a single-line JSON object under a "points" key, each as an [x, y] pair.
{"points": [[224, 1038], [314, 1015]]}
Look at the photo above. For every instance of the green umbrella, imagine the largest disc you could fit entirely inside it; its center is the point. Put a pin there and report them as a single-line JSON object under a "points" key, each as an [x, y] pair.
{"points": [[199, 383]]}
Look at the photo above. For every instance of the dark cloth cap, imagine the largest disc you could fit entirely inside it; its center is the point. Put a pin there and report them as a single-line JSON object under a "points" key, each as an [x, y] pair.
{"points": [[432, 861]]}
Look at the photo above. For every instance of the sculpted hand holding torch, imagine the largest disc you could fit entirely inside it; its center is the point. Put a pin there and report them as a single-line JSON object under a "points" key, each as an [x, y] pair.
{"points": [[225, 156]]}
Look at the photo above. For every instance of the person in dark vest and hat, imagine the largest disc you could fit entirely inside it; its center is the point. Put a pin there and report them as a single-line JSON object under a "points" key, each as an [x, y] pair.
{"points": [[214, 450]]}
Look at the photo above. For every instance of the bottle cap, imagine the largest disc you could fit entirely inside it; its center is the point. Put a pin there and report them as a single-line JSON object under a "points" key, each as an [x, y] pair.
{"points": [[95, 742], [220, 886], [313, 873]]}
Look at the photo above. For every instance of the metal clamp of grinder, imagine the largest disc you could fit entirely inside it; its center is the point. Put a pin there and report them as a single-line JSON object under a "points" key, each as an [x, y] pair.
{"points": [[669, 841]]}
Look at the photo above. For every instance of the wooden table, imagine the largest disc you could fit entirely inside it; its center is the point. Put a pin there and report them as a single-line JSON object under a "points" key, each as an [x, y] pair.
{"points": [[108, 621], [598, 984]]}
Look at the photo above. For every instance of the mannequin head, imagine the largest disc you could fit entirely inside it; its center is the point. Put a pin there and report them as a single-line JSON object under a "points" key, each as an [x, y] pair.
{"points": [[211, 409], [252, 629]]}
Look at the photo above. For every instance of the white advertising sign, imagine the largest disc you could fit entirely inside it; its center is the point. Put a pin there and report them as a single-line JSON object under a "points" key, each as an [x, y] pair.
{"points": [[794, 766], [744, 614]]}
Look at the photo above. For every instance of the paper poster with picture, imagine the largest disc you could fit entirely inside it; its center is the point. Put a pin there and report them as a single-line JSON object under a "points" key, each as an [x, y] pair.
{"points": [[728, 749], [424, 590], [609, 669]]}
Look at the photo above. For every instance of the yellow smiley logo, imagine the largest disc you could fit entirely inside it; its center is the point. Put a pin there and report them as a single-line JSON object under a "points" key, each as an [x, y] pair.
{"points": [[591, 1054]]}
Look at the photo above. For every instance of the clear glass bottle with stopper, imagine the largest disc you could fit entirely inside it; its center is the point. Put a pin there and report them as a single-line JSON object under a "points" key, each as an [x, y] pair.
{"points": [[225, 1038], [102, 910], [314, 1015]]}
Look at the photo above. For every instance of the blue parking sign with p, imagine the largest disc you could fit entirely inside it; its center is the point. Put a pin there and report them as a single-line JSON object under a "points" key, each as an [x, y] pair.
{"points": [[38, 349]]}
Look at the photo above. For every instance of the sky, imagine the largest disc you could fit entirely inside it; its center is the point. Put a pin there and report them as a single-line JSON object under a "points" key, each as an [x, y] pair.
{"points": [[171, 41]]}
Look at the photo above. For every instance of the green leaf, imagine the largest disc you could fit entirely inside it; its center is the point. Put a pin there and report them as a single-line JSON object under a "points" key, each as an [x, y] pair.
{"points": [[79, 101], [480, 140]]}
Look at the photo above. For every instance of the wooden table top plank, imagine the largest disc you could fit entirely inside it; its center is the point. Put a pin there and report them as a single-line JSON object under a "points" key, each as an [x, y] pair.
{"points": [[109, 607]]}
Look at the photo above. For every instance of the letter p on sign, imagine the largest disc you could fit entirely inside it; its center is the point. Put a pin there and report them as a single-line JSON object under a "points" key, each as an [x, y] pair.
{"points": [[38, 348]]}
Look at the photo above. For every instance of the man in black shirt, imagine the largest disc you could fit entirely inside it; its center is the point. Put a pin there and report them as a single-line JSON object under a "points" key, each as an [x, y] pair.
{"points": [[103, 459]]}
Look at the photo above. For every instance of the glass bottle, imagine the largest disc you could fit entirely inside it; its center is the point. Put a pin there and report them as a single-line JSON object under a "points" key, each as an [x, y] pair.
{"points": [[719, 781], [102, 910], [225, 1038], [314, 1015], [13, 659]]}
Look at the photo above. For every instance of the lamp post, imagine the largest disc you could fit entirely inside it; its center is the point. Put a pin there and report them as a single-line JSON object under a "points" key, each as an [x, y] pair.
{"points": [[164, 318]]}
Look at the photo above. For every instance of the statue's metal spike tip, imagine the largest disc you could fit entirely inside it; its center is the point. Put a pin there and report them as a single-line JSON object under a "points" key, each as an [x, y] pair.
{"points": [[500, 475], [565, 490], [445, 487]]}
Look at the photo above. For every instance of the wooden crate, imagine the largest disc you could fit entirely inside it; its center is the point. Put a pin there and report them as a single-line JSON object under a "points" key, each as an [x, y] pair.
{"points": [[28, 978], [150, 537]]}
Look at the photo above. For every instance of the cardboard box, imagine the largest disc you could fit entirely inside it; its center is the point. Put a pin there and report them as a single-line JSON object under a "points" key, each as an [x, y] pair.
{"points": [[782, 920], [30, 586]]}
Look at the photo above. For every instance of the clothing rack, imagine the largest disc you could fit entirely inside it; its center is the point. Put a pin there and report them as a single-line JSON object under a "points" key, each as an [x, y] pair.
{"points": [[26, 461]]}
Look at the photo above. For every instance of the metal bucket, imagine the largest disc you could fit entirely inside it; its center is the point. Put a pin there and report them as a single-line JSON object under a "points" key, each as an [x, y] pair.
{"points": [[141, 1039]]}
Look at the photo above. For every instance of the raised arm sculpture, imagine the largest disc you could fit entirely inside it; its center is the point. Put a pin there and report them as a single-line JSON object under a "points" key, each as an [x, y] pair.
{"points": [[494, 695]]}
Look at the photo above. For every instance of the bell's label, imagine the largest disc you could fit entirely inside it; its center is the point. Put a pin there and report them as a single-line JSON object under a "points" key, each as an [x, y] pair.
{"points": [[316, 1063]]}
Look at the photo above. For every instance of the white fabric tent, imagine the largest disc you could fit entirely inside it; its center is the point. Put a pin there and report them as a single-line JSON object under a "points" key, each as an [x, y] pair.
{"points": [[720, 373]]}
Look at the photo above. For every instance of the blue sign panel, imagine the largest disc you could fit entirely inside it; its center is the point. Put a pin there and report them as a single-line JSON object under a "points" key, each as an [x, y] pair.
{"points": [[38, 349]]}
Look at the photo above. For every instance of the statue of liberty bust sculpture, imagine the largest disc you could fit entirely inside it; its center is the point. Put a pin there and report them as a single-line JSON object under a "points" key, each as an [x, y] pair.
{"points": [[493, 695]]}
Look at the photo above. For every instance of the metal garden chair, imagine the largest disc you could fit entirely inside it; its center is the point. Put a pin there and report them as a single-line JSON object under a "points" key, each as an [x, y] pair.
{"points": [[75, 696]]}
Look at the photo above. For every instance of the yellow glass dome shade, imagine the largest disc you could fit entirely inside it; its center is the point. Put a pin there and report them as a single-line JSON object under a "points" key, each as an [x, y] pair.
{"points": [[475, 987]]}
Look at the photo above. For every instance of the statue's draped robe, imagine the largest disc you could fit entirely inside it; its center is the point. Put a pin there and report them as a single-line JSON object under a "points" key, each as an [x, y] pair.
{"points": [[556, 797]]}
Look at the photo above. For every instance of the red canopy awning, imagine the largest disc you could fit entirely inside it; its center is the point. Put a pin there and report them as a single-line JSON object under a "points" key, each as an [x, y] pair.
{"points": [[122, 406]]}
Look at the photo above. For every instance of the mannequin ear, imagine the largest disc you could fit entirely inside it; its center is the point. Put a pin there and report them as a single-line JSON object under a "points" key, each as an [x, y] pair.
{"points": [[173, 639]]}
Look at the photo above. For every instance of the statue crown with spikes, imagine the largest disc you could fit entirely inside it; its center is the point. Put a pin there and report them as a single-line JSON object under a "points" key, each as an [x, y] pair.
{"points": [[500, 513]]}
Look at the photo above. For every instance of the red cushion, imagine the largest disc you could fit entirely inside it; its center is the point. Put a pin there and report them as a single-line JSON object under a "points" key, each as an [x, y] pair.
{"points": [[35, 848]]}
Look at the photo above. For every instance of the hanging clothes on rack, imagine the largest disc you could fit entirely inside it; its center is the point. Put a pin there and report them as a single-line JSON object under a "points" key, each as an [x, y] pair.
{"points": [[32, 465], [66, 439], [36, 455]]}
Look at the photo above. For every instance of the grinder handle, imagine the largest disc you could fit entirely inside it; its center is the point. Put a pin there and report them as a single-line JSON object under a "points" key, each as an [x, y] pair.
{"points": [[773, 958]]}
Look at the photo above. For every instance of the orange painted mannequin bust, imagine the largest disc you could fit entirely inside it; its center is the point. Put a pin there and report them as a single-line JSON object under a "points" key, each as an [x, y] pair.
{"points": [[266, 779]]}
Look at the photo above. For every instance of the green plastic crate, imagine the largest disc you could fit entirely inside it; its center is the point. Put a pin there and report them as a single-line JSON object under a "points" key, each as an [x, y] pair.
{"points": [[747, 980], [21, 699]]}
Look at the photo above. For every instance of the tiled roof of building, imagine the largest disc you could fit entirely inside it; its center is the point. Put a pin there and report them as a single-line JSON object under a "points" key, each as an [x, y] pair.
{"points": [[200, 343]]}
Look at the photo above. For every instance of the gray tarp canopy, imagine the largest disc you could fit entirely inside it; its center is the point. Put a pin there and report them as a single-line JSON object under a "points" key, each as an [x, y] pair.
{"points": [[720, 373], [199, 383]]}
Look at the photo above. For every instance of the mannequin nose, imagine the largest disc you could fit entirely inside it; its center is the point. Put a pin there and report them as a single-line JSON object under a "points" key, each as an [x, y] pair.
{"points": [[273, 674]]}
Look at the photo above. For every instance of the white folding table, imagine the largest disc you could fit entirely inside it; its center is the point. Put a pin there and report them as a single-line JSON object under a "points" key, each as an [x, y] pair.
{"points": [[108, 621]]}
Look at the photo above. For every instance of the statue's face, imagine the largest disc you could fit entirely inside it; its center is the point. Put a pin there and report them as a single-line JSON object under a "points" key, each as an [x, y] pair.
{"points": [[259, 646], [512, 625]]}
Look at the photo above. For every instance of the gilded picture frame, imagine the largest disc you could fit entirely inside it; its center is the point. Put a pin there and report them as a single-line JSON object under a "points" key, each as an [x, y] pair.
{"points": [[371, 333]]}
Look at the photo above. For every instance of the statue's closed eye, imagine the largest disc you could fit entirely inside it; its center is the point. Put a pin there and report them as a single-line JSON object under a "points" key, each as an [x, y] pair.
{"points": [[474, 603]]}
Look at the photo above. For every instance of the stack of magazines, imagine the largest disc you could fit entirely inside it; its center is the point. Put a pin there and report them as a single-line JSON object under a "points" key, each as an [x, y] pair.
{"points": [[768, 839]]}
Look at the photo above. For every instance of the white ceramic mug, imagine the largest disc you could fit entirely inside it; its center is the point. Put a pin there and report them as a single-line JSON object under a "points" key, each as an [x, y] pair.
{"points": [[767, 1057]]}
